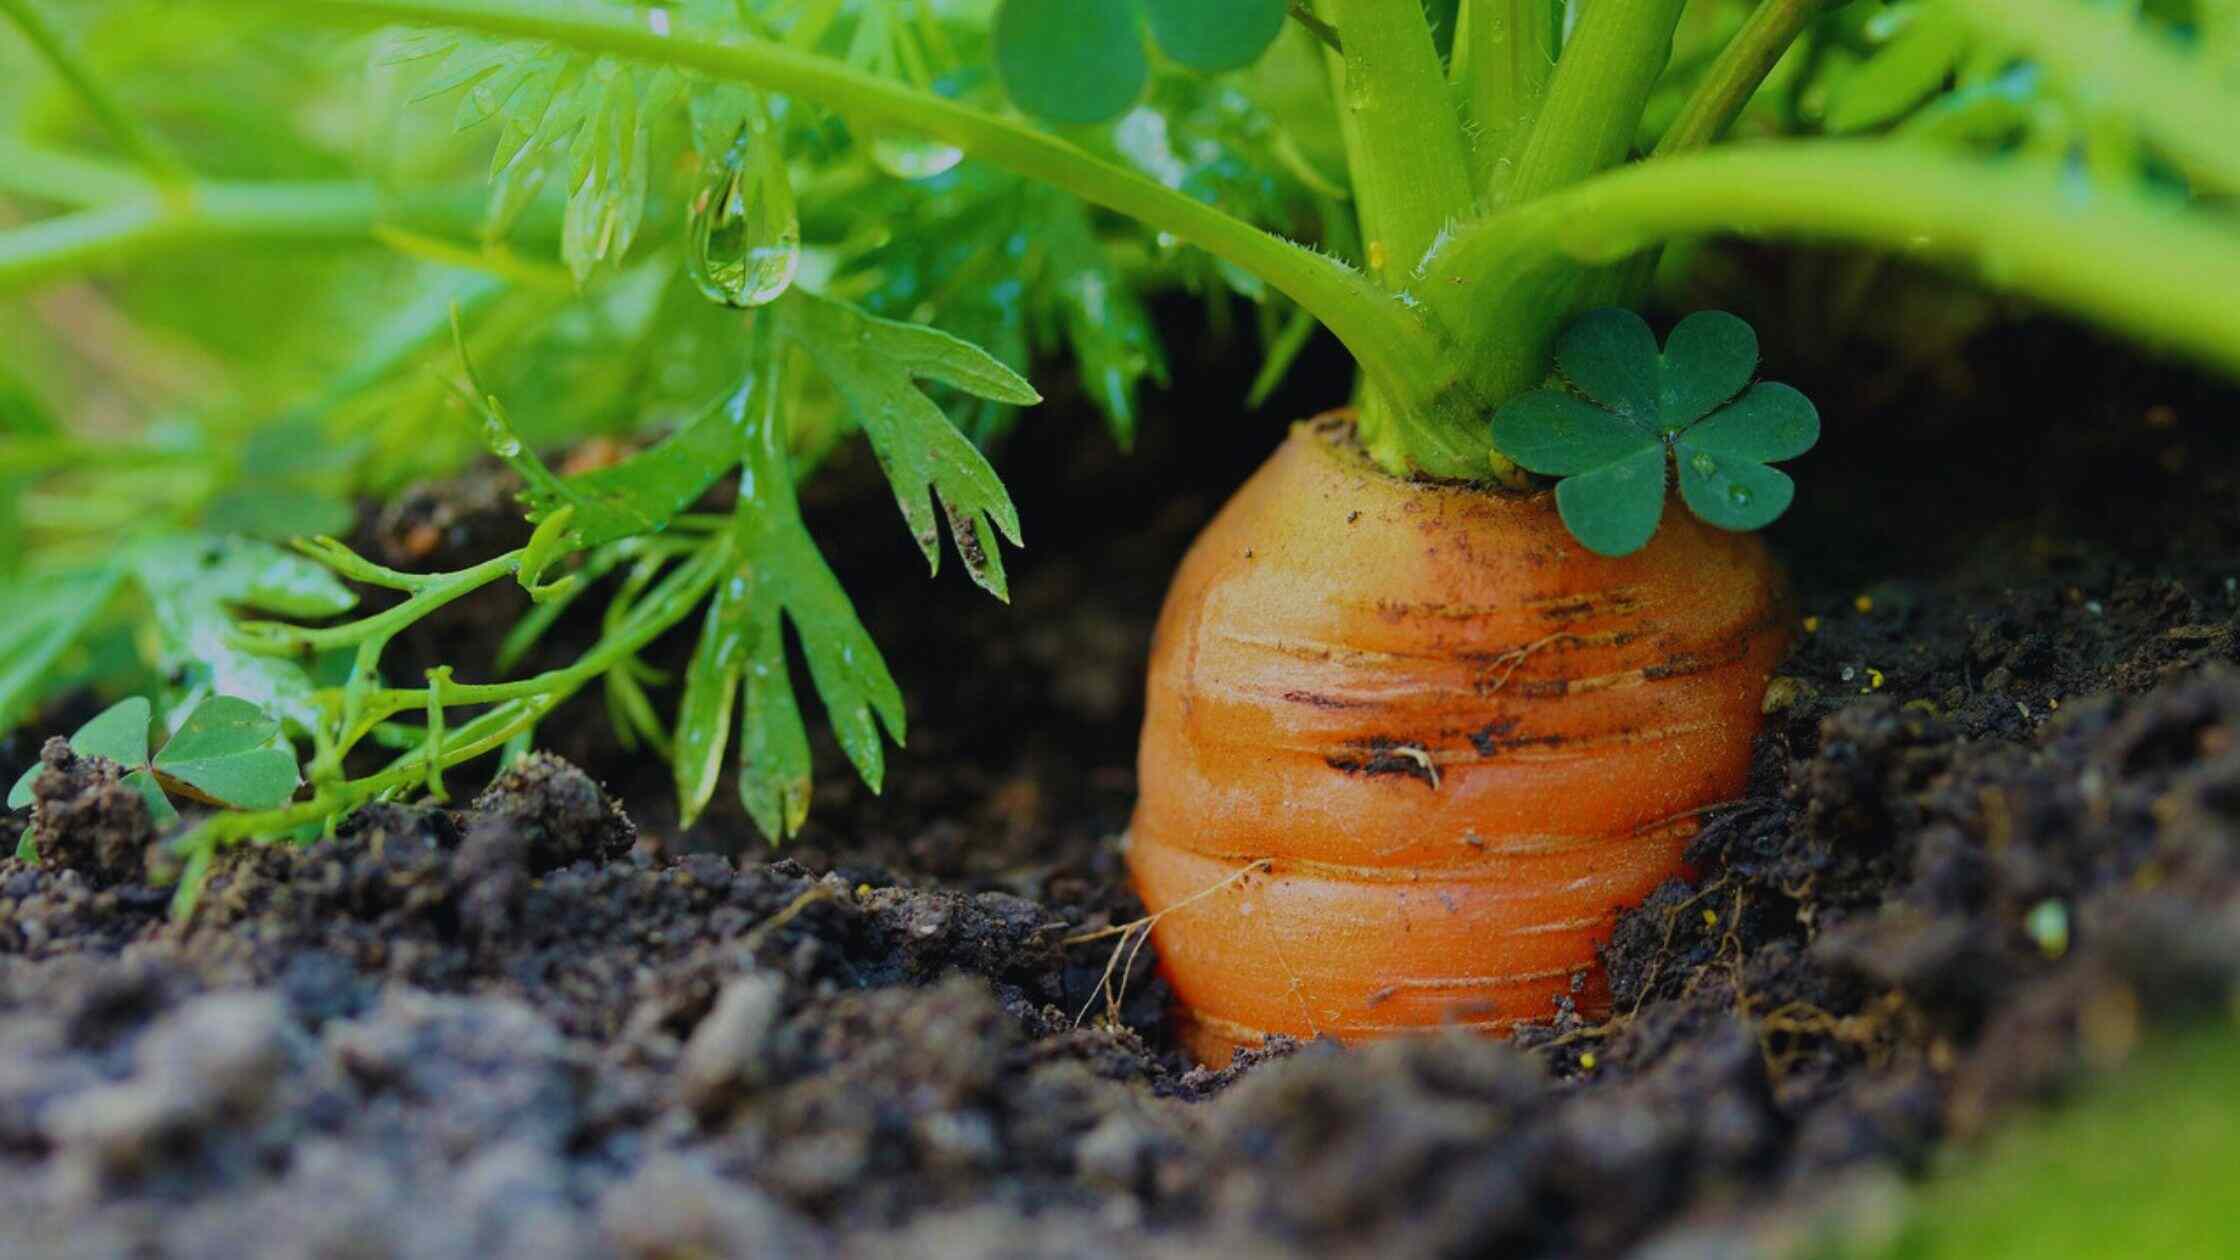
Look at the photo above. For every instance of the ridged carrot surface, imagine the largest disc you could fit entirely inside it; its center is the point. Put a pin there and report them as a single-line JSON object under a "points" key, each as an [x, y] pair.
{"points": [[1460, 742]]}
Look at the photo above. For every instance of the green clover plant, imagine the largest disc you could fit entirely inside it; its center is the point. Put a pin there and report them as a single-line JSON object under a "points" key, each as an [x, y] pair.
{"points": [[1083, 61], [1634, 407], [227, 753]]}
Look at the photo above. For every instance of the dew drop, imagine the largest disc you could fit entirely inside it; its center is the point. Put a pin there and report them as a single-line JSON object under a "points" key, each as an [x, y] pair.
{"points": [[1739, 496], [743, 232], [1703, 464], [499, 437], [909, 157]]}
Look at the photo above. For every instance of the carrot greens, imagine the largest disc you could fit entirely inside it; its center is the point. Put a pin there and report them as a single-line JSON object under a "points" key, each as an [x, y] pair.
{"points": [[729, 236]]}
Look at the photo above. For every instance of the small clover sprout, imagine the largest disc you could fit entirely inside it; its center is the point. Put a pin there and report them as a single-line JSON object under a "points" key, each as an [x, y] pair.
{"points": [[1695, 399], [226, 754]]}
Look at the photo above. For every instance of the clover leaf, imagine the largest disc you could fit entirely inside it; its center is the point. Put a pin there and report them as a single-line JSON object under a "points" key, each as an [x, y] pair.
{"points": [[226, 754], [1075, 62], [1608, 439]]}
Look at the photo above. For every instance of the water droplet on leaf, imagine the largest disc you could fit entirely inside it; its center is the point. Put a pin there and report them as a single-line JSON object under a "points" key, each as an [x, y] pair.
{"points": [[499, 437], [1739, 496], [908, 157], [743, 233], [1703, 463]]}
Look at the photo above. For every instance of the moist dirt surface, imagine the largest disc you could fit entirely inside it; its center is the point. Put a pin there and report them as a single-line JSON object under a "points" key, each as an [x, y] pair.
{"points": [[1988, 852]]}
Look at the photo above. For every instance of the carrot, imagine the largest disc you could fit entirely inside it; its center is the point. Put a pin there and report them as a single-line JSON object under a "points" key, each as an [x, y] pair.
{"points": [[1461, 742]]}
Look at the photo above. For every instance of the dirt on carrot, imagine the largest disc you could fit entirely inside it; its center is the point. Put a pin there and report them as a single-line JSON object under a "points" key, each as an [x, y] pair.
{"points": [[1986, 852]]}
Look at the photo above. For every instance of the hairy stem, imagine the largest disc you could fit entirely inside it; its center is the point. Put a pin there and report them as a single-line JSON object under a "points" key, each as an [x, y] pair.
{"points": [[2130, 261], [1727, 86], [1505, 53], [1601, 85], [1411, 177], [1587, 124]]}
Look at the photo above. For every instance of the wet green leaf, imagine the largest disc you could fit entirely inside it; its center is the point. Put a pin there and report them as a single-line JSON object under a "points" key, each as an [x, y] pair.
{"points": [[711, 692], [1613, 510], [1611, 356], [875, 364], [1070, 61], [1731, 493], [160, 810], [1611, 451], [1769, 423], [1709, 358], [195, 582], [643, 493], [1558, 435], [119, 732], [226, 751], [779, 573], [1214, 35]]}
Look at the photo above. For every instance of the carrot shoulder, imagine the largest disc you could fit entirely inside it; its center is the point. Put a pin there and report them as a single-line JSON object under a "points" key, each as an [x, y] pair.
{"points": [[1463, 742]]}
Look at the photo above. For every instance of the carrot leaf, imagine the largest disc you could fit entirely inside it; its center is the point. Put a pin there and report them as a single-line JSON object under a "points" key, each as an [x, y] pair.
{"points": [[875, 365], [1628, 405], [740, 663]]}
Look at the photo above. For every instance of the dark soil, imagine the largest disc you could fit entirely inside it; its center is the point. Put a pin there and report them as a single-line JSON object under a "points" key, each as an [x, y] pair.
{"points": [[1989, 849]]}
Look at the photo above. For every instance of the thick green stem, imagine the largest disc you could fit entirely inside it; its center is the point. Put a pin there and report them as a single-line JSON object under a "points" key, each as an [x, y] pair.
{"points": [[1505, 54], [135, 139], [1395, 347], [1587, 124], [2130, 261], [1718, 99], [1601, 85], [1737, 72], [1411, 176]]}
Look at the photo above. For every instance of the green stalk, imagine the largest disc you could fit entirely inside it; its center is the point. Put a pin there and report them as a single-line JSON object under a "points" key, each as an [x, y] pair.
{"points": [[1411, 182], [1587, 124], [2176, 100], [70, 179], [191, 214], [2129, 261], [1396, 348], [1735, 75], [1411, 176], [1601, 85], [1505, 54], [71, 243], [1718, 99], [136, 140]]}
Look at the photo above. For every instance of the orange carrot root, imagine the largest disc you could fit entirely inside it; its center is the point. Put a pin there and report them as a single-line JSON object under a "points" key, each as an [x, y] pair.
{"points": [[1462, 742]]}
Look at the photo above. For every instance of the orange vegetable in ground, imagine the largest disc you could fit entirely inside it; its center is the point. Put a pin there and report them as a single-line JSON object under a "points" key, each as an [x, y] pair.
{"points": [[1458, 744]]}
